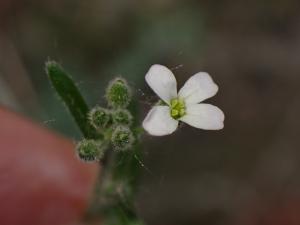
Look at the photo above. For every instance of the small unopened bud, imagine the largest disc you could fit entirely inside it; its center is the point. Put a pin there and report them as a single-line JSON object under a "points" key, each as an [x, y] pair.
{"points": [[100, 117], [89, 150], [118, 93], [122, 138], [122, 117]]}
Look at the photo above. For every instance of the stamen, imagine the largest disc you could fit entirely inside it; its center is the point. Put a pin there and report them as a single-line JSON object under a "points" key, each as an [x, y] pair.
{"points": [[177, 108]]}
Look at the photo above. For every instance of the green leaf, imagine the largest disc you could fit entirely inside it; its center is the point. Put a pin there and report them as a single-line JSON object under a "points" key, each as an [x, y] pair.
{"points": [[71, 96]]}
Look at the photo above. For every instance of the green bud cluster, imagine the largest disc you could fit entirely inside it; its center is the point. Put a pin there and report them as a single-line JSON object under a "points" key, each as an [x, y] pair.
{"points": [[100, 118], [122, 117], [89, 150], [113, 123], [118, 93], [122, 138]]}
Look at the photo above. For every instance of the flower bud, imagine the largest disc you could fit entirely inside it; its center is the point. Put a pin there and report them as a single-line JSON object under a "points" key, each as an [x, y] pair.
{"points": [[122, 138], [100, 117], [122, 117], [89, 150], [118, 93]]}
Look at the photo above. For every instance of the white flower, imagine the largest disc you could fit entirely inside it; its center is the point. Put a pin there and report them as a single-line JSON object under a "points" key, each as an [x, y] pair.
{"points": [[182, 106]]}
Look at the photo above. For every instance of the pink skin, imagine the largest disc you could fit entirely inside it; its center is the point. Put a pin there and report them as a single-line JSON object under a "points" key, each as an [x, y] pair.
{"points": [[41, 180], [279, 210]]}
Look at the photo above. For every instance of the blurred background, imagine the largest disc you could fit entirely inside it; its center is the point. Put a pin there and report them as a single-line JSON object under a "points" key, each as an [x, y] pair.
{"points": [[246, 174]]}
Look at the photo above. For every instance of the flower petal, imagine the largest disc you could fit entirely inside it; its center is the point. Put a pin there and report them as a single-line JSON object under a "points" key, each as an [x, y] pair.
{"points": [[204, 116], [162, 82], [198, 88], [158, 122]]}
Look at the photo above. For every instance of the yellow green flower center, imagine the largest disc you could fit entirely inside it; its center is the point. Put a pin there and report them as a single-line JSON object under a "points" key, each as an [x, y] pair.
{"points": [[177, 108]]}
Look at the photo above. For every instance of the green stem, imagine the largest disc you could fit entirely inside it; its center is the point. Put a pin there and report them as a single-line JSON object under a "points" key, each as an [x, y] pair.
{"points": [[115, 192]]}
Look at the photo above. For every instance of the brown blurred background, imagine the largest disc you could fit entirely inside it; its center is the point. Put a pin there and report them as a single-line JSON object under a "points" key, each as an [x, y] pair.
{"points": [[246, 174]]}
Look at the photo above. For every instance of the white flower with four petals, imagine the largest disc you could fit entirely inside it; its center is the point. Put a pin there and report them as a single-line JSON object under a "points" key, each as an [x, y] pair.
{"points": [[182, 106]]}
